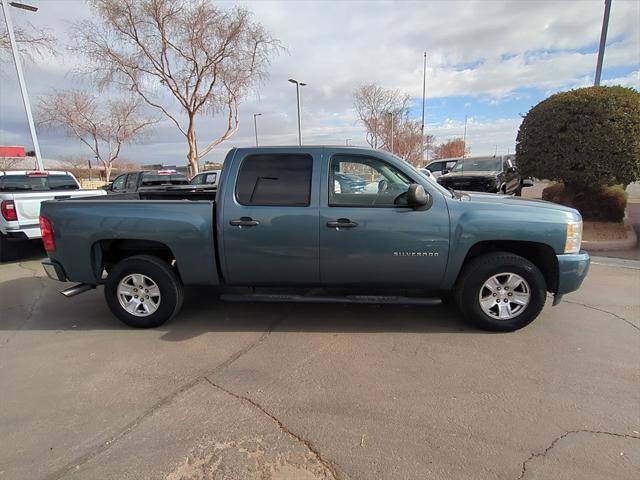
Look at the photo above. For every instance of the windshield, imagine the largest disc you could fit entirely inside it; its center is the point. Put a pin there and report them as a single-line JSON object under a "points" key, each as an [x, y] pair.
{"points": [[489, 164], [27, 183]]}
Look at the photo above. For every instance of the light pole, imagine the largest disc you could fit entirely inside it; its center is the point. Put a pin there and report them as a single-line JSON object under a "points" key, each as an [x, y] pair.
{"points": [[603, 41], [18, 64], [424, 91], [255, 125], [391, 117], [464, 138], [298, 85]]}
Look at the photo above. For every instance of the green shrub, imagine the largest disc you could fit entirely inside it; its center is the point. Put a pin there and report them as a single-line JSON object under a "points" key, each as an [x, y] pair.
{"points": [[585, 138], [605, 204]]}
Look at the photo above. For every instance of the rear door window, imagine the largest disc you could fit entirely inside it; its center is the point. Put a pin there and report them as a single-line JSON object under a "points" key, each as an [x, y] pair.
{"points": [[132, 181], [276, 180]]}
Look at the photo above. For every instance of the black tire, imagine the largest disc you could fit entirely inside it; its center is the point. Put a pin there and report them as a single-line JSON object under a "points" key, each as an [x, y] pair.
{"points": [[4, 248], [481, 269], [160, 272], [518, 192]]}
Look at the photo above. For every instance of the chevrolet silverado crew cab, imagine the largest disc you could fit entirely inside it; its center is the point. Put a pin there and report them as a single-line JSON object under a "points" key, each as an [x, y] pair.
{"points": [[497, 174], [282, 224], [21, 193]]}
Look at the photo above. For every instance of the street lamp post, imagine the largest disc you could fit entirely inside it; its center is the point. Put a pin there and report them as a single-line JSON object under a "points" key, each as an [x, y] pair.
{"points": [[603, 41], [18, 64], [424, 91], [255, 125], [298, 85]]}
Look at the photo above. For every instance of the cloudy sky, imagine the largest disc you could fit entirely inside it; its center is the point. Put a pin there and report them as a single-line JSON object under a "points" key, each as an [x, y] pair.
{"points": [[489, 60]]}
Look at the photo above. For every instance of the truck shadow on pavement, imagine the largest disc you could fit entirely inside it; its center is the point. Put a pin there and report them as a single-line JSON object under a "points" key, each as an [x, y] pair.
{"points": [[34, 303]]}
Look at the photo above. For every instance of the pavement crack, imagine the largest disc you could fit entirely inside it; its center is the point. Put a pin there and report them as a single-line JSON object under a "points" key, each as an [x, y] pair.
{"points": [[564, 435], [307, 443], [604, 311], [131, 426]]}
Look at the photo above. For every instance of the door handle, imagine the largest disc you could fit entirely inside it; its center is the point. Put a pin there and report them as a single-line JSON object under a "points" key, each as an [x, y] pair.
{"points": [[342, 223], [244, 222]]}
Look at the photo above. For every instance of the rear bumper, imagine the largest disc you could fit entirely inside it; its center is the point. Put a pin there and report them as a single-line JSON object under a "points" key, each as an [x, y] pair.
{"points": [[54, 270], [30, 232], [572, 270]]}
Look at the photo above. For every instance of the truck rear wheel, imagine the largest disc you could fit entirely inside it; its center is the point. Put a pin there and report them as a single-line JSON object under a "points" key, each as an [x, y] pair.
{"points": [[501, 291], [143, 291]]}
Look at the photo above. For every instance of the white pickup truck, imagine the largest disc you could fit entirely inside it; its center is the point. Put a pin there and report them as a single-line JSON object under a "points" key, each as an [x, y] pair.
{"points": [[21, 193]]}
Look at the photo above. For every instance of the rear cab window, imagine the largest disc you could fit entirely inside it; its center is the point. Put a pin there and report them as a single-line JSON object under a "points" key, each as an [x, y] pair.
{"points": [[27, 183], [275, 180], [158, 178]]}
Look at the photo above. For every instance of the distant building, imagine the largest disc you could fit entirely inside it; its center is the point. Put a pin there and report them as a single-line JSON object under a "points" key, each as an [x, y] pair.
{"points": [[11, 151]]}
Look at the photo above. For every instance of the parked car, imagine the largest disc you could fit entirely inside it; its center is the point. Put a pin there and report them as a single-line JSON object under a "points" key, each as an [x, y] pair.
{"points": [[440, 167], [278, 220], [132, 182], [21, 193], [349, 183], [208, 177], [497, 174]]}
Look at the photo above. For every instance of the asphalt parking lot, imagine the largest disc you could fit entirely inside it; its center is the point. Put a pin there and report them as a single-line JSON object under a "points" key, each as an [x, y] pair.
{"points": [[317, 391]]}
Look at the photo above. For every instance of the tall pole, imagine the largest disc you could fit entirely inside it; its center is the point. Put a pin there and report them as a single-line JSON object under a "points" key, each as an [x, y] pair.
{"points": [[603, 41], [464, 138], [255, 125], [23, 87], [424, 90], [299, 124], [298, 85]]}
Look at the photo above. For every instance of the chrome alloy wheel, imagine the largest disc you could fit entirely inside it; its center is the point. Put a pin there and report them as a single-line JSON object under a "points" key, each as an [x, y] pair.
{"points": [[504, 296], [138, 295]]}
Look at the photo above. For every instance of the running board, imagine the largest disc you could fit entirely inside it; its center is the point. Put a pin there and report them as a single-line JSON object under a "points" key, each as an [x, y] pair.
{"points": [[354, 299], [77, 289]]}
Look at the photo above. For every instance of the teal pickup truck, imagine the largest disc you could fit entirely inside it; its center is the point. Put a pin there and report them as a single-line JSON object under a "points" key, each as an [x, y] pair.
{"points": [[318, 224]]}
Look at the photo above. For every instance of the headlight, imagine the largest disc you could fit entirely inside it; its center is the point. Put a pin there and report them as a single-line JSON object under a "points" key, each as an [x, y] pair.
{"points": [[574, 237]]}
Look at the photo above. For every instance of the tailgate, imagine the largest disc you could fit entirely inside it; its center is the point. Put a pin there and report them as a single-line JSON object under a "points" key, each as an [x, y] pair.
{"points": [[28, 204]]}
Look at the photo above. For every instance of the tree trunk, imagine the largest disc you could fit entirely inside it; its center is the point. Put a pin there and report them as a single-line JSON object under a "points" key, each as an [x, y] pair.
{"points": [[107, 172], [192, 155]]}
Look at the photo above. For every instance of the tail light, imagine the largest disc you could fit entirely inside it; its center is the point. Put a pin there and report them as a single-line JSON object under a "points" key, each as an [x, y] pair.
{"points": [[47, 234], [8, 209]]}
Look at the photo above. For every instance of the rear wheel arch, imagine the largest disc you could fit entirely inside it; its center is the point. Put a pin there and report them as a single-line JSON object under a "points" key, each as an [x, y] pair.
{"points": [[108, 252]]}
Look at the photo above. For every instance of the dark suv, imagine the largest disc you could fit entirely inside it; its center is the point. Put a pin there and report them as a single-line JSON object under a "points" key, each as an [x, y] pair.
{"points": [[146, 180], [497, 174]]}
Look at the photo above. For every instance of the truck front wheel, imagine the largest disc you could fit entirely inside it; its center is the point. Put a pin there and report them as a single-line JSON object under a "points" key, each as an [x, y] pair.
{"points": [[501, 291], [143, 291]]}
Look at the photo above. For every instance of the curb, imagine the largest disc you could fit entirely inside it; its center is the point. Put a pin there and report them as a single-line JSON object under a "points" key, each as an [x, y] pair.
{"points": [[613, 245]]}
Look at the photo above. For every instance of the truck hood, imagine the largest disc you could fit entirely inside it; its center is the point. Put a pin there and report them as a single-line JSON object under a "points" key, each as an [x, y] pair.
{"points": [[509, 201]]}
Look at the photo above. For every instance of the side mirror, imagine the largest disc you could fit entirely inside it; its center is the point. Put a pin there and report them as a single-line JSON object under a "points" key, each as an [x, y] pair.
{"points": [[417, 197], [512, 170]]}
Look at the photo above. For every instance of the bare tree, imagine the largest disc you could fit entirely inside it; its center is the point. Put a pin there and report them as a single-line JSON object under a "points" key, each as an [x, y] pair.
{"points": [[372, 104], [453, 148], [103, 128], [205, 58], [408, 142], [32, 42]]}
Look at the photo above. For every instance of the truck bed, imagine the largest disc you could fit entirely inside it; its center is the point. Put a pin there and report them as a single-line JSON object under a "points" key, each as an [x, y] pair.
{"points": [[182, 223]]}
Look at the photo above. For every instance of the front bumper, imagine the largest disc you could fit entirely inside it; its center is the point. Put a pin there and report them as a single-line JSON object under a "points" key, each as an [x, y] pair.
{"points": [[572, 270], [54, 270]]}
